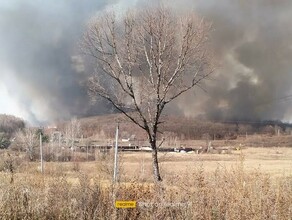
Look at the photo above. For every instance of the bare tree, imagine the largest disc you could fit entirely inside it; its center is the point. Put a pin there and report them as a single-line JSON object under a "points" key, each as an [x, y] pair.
{"points": [[145, 60], [28, 140], [72, 131]]}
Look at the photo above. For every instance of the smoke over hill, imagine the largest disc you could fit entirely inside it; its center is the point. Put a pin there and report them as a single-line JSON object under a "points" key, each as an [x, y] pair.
{"points": [[253, 41], [42, 72]]}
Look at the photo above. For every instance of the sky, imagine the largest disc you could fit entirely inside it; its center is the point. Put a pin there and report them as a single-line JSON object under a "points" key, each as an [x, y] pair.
{"points": [[43, 78]]}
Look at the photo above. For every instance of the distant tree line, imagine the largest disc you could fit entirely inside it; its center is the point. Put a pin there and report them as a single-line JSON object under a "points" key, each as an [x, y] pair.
{"points": [[184, 128], [9, 125], [226, 130]]}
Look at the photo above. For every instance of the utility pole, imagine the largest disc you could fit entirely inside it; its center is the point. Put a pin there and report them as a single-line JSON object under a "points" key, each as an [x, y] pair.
{"points": [[41, 153], [115, 214], [59, 139], [116, 155]]}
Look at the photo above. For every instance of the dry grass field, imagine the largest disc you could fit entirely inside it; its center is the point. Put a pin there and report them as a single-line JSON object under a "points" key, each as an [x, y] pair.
{"points": [[273, 161], [248, 183]]}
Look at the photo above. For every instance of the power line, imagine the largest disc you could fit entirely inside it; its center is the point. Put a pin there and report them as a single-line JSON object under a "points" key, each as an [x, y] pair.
{"points": [[277, 100]]}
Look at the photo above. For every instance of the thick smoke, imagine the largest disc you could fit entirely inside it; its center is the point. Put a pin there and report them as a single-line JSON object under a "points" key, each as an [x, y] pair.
{"points": [[42, 72], [39, 63], [253, 40]]}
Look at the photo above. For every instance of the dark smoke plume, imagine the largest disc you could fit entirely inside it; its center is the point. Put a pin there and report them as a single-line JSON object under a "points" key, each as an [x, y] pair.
{"points": [[41, 67], [39, 59], [253, 40]]}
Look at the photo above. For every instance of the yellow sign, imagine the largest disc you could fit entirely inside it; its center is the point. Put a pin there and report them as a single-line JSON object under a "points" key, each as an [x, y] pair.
{"points": [[125, 204]]}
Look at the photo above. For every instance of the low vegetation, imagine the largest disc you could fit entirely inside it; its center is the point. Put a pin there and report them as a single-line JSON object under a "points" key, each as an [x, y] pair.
{"points": [[75, 190]]}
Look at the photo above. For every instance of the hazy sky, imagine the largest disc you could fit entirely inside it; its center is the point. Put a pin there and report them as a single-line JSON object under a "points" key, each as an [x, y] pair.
{"points": [[43, 77]]}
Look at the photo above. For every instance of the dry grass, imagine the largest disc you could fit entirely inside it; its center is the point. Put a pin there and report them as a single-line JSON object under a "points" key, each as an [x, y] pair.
{"points": [[274, 161], [241, 185]]}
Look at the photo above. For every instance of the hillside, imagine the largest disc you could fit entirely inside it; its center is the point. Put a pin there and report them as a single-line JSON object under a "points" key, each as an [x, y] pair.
{"points": [[178, 127]]}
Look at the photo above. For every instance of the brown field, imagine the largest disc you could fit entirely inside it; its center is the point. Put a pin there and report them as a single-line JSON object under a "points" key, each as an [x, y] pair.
{"points": [[248, 183], [274, 161]]}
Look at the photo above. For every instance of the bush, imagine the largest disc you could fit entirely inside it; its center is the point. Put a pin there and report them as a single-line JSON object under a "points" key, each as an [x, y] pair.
{"points": [[4, 141]]}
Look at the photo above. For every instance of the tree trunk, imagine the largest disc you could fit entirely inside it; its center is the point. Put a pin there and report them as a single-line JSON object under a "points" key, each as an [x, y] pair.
{"points": [[156, 172]]}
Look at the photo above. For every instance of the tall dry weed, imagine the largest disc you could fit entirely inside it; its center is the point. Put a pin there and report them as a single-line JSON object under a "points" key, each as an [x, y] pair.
{"points": [[233, 193]]}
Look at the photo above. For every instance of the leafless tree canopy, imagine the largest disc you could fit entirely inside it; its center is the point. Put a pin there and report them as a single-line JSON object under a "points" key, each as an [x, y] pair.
{"points": [[28, 141], [72, 132], [147, 59]]}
